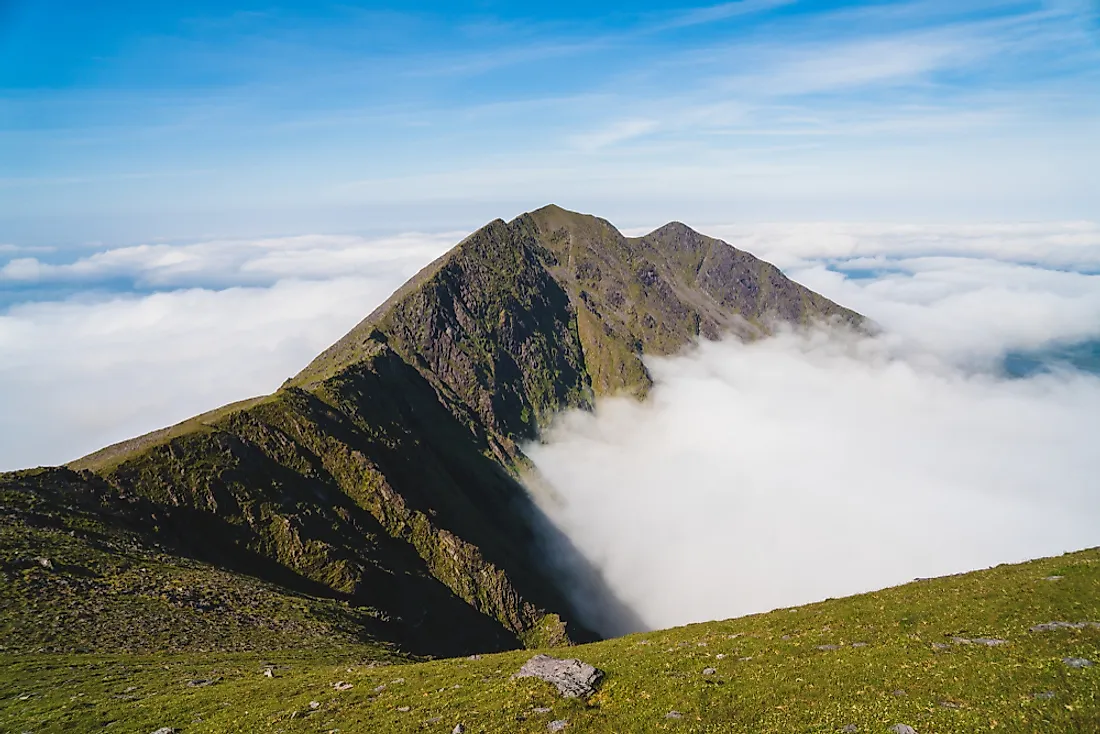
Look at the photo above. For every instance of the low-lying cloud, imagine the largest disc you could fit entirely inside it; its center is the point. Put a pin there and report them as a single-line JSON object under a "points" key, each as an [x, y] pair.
{"points": [[224, 321], [818, 464], [809, 466]]}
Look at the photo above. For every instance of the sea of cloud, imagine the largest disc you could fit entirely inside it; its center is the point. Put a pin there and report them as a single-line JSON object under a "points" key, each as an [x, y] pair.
{"points": [[811, 465], [131, 339], [821, 463]]}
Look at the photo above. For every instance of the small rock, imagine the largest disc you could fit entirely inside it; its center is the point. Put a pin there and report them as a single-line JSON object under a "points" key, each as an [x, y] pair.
{"points": [[709, 671], [269, 673], [1078, 662], [474, 657], [899, 692], [745, 659], [902, 729], [785, 637], [45, 563], [571, 677], [940, 646], [989, 641], [557, 725], [342, 686], [1053, 578], [395, 681], [433, 720], [850, 729], [1044, 695], [1052, 626], [674, 715], [541, 709], [826, 647], [379, 689], [315, 705], [951, 704], [720, 656], [130, 689], [166, 730], [859, 644], [459, 729], [201, 682], [404, 709]]}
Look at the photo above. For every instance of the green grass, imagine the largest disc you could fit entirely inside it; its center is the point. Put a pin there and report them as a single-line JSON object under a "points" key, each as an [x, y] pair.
{"points": [[772, 676]]}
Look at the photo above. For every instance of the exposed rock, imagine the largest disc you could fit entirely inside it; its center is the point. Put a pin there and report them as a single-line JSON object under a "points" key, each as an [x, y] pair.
{"points": [[1078, 662], [570, 676], [674, 715], [459, 729], [849, 729], [166, 730], [1044, 695], [1052, 626], [987, 641], [269, 673], [541, 709], [201, 682], [826, 647], [557, 725], [404, 709], [1053, 578], [902, 729], [314, 705], [859, 644], [709, 671], [342, 686]]}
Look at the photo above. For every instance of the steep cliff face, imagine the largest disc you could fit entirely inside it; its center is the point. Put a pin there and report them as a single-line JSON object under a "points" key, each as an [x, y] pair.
{"points": [[384, 474]]}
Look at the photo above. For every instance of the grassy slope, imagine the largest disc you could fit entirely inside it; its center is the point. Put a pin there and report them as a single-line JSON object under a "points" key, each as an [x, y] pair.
{"points": [[772, 678]]}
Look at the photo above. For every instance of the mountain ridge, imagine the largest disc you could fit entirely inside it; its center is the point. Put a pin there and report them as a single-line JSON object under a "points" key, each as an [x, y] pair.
{"points": [[385, 474]]}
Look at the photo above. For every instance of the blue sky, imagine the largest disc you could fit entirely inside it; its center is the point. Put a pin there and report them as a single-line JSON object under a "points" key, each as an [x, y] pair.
{"points": [[123, 122]]}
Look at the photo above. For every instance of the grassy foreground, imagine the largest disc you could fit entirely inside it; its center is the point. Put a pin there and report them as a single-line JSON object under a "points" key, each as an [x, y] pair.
{"points": [[923, 654]]}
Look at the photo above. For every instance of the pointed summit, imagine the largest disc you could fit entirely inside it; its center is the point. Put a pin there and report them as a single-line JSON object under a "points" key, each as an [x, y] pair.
{"points": [[384, 475]]}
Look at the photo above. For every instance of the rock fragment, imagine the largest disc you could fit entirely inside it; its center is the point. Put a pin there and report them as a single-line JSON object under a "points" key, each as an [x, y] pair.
{"points": [[459, 729], [709, 671], [1052, 626], [849, 729], [342, 686], [570, 676], [557, 725], [166, 730], [902, 729], [674, 715], [1078, 662]]}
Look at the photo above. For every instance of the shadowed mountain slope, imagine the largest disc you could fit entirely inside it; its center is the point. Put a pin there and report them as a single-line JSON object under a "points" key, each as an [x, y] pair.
{"points": [[384, 475]]}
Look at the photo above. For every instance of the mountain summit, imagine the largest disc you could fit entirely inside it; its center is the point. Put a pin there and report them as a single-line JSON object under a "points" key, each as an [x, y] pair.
{"points": [[375, 495]]}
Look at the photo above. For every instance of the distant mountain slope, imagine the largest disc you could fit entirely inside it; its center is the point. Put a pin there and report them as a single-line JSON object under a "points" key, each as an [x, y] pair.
{"points": [[384, 474]]}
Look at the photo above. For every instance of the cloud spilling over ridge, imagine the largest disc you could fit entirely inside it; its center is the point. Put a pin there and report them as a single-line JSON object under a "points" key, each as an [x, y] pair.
{"points": [[818, 464], [811, 466]]}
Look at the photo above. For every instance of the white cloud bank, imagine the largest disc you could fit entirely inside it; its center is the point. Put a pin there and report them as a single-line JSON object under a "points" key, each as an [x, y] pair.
{"points": [[808, 466], [79, 374], [802, 468]]}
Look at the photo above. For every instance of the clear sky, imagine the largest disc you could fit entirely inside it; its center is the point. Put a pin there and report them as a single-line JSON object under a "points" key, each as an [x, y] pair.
{"points": [[123, 122]]}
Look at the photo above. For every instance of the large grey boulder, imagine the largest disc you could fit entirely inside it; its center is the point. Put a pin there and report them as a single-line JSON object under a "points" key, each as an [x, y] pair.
{"points": [[571, 677]]}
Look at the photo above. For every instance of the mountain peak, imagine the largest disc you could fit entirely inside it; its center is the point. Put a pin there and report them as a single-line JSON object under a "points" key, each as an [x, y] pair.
{"points": [[385, 473]]}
